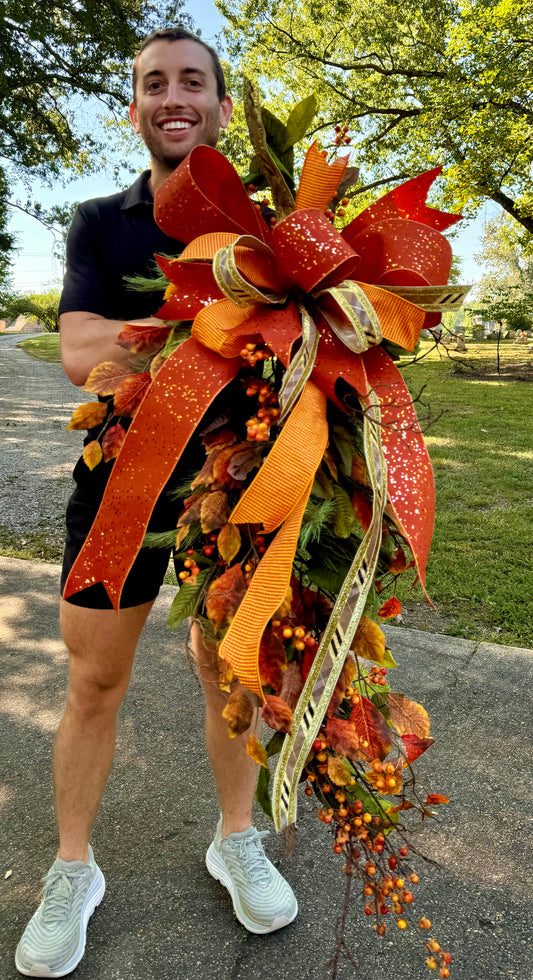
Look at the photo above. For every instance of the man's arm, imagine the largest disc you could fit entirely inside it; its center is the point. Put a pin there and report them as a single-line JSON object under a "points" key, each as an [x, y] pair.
{"points": [[87, 339]]}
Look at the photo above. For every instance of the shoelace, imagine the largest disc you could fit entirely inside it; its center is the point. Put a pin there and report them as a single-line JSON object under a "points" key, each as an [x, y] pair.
{"points": [[251, 854], [58, 891]]}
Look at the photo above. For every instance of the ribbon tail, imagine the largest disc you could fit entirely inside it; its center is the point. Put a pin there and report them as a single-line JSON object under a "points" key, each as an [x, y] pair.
{"points": [[338, 635], [172, 408]]}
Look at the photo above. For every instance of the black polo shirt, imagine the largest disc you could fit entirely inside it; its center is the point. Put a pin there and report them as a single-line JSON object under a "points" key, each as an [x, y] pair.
{"points": [[110, 238]]}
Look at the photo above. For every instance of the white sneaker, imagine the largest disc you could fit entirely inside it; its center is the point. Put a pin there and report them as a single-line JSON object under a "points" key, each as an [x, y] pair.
{"points": [[263, 901], [53, 942]]}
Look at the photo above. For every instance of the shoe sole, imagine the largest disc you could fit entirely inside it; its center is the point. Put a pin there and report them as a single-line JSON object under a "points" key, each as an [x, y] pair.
{"points": [[217, 869], [92, 900]]}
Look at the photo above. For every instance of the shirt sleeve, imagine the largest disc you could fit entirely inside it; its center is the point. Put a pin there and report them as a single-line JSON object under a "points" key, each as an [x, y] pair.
{"points": [[84, 285]]}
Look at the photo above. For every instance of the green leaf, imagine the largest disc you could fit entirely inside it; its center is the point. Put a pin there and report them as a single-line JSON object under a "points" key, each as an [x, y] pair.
{"points": [[381, 702], [262, 794], [276, 132], [186, 600], [180, 331], [344, 513], [323, 485], [275, 744], [326, 578], [299, 120]]}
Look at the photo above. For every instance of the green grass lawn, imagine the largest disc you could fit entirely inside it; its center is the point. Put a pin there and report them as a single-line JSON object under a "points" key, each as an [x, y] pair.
{"points": [[45, 347], [480, 573]]}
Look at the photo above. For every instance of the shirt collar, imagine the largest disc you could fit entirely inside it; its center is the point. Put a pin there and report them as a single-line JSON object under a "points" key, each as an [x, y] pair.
{"points": [[138, 193]]}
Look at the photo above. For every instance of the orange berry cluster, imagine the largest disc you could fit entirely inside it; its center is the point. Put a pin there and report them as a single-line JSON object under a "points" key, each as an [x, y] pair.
{"points": [[341, 136], [190, 565], [258, 427], [378, 675], [298, 635], [252, 353], [190, 568], [432, 948], [340, 212]]}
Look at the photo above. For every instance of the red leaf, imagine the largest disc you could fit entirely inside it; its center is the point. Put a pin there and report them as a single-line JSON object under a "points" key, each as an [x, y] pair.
{"points": [[342, 737], [272, 661], [392, 607], [130, 393], [277, 714], [292, 684], [436, 798], [143, 337], [398, 562], [414, 746], [375, 737], [363, 510], [112, 442], [224, 596]]}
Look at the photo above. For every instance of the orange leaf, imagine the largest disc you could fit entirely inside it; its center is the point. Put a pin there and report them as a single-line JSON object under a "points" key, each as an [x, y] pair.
{"points": [[277, 714], [88, 415], [92, 454], [256, 751], [342, 737], [339, 771], [130, 393], [359, 474], [404, 805], [224, 596], [223, 436], [112, 442], [193, 507], [369, 641], [105, 378], [408, 717], [414, 746], [375, 737], [221, 473], [272, 660], [363, 510], [349, 670], [238, 713], [398, 562], [392, 607], [143, 337], [436, 798], [292, 684], [229, 542], [214, 511]]}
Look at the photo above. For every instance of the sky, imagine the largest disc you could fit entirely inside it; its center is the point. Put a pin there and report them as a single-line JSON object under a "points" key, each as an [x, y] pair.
{"points": [[35, 268]]}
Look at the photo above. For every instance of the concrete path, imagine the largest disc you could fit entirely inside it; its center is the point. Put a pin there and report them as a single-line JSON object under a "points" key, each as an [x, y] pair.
{"points": [[163, 917]]}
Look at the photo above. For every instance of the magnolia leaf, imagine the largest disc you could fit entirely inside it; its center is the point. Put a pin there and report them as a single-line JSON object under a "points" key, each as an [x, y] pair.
{"points": [[323, 485], [369, 641], [414, 746], [343, 445], [105, 378], [112, 441], [343, 738], [229, 542], [130, 393], [300, 120], [331, 464], [272, 661], [179, 332], [339, 771], [88, 415], [186, 600], [277, 714], [92, 454], [374, 734], [238, 713], [145, 338], [292, 684], [435, 798], [256, 750], [261, 793], [408, 717], [392, 607], [214, 511], [276, 131], [243, 461], [351, 175], [224, 596], [328, 579]]}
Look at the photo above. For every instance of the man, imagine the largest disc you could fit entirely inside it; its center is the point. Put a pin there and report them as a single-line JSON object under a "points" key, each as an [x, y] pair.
{"points": [[179, 102]]}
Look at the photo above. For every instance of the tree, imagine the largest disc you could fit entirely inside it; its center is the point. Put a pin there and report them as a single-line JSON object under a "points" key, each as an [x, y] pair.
{"points": [[420, 83], [36, 306], [57, 57], [505, 291]]}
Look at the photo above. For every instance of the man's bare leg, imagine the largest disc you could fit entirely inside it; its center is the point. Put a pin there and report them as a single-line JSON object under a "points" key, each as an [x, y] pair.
{"points": [[235, 772], [102, 647]]}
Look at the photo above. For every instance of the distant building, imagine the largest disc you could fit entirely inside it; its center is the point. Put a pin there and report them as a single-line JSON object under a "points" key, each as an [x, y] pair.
{"points": [[21, 325]]}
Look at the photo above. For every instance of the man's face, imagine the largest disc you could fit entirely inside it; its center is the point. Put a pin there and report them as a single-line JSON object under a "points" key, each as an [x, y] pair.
{"points": [[176, 103]]}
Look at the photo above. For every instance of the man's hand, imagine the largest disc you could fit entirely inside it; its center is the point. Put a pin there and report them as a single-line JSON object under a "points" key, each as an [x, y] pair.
{"points": [[88, 339]]}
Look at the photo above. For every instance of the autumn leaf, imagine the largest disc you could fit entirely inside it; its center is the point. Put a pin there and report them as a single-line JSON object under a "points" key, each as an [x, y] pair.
{"points": [[404, 805], [358, 474], [277, 714], [223, 436], [224, 596], [408, 717], [331, 464], [226, 675], [363, 510], [272, 660], [284, 609], [375, 738], [343, 738], [392, 607], [243, 461], [414, 746], [105, 378], [338, 694], [130, 393], [192, 510], [349, 670], [88, 415], [221, 474], [256, 751], [339, 771], [214, 511], [292, 684], [92, 454], [238, 713], [205, 477], [229, 542], [398, 562], [369, 641], [156, 365], [435, 798], [112, 442], [142, 338]]}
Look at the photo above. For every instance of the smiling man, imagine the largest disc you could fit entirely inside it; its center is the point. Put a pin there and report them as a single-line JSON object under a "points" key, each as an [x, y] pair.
{"points": [[179, 102]]}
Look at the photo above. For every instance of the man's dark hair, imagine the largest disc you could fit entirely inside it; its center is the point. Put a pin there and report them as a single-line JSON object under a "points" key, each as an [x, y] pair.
{"points": [[181, 34]]}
